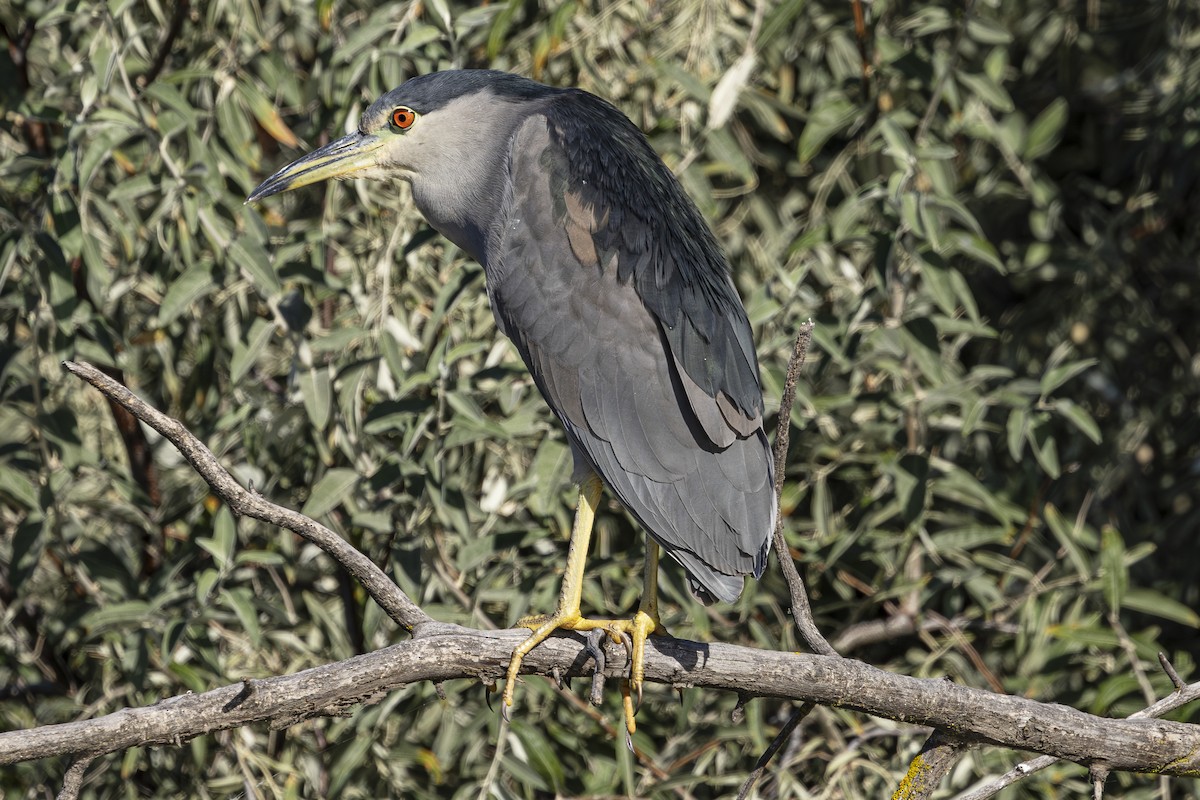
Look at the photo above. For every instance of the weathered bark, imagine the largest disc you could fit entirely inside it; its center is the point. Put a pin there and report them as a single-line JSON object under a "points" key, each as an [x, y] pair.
{"points": [[442, 652], [925, 773]]}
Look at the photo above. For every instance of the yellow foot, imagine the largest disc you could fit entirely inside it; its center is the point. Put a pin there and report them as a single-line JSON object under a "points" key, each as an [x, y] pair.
{"points": [[630, 632]]}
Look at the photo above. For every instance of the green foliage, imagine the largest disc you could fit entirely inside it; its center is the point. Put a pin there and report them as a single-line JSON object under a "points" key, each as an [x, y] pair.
{"points": [[990, 223]]}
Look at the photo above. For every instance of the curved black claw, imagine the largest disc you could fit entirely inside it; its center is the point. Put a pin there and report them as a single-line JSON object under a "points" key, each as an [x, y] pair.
{"points": [[627, 643]]}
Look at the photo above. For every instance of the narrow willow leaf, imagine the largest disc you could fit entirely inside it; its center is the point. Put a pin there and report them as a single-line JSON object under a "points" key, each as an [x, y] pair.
{"points": [[330, 490], [131, 614], [986, 31], [499, 32], [927, 20], [821, 511], [171, 97], [186, 290], [1112, 563], [1045, 451], [779, 19], [1080, 418], [831, 116], [242, 603], [966, 297], [1062, 531], [317, 394], [937, 280], [974, 246], [726, 152], [264, 111], [251, 257], [246, 355], [957, 211], [417, 38], [987, 90], [1046, 130], [973, 413], [190, 677], [204, 585], [1059, 375], [19, 488], [899, 143], [542, 756], [724, 99], [1150, 601], [224, 539]]}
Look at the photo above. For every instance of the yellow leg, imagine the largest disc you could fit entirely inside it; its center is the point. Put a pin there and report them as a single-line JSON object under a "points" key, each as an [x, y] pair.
{"points": [[644, 623], [567, 615], [570, 594]]}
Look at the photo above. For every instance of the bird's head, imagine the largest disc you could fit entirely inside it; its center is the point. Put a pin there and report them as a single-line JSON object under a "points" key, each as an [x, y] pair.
{"points": [[446, 133]]}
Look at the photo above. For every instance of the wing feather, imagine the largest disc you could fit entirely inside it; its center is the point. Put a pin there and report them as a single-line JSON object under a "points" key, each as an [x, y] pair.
{"points": [[646, 360]]}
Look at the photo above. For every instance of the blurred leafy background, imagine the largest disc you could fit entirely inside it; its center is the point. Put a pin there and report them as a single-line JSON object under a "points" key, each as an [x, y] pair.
{"points": [[988, 210]]}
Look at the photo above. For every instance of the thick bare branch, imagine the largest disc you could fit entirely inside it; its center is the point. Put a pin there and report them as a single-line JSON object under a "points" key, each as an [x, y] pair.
{"points": [[382, 589], [440, 652]]}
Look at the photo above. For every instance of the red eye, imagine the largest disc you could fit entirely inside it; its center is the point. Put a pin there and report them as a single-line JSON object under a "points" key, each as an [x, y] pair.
{"points": [[403, 118]]}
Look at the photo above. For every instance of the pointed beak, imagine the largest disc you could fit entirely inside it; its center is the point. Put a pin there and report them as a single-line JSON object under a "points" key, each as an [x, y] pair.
{"points": [[341, 159]]}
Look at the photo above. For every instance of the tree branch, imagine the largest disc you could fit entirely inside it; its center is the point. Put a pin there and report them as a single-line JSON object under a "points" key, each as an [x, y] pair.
{"points": [[441, 652], [382, 589]]}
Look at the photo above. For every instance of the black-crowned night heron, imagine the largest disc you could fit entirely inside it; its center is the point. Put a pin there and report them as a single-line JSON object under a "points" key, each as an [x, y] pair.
{"points": [[605, 276]]}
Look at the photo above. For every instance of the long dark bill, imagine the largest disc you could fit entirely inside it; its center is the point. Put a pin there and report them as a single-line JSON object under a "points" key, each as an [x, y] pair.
{"points": [[340, 159]]}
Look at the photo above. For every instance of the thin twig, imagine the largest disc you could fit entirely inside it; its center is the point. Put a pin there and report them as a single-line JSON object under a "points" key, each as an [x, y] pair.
{"points": [[494, 769], [935, 97], [801, 611], [1169, 668], [1135, 662], [860, 37], [382, 589], [800, 713], [165, 44]]}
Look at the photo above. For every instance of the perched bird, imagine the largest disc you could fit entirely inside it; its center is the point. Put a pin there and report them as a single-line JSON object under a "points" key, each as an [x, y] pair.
{"points": [[607, 279]]}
